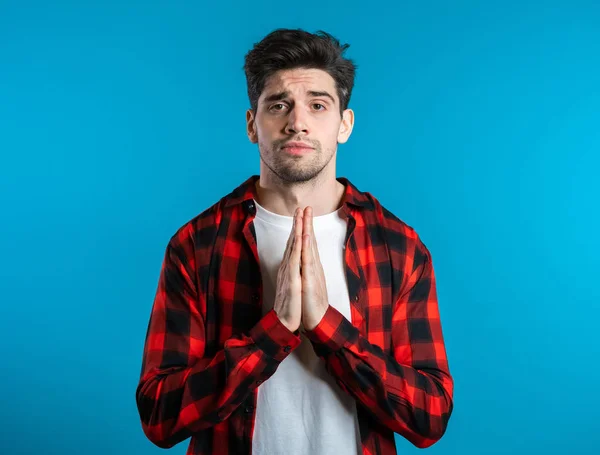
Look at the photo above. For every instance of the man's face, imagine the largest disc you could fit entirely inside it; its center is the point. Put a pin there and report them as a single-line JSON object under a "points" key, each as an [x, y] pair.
{"points": [[299, 105]]}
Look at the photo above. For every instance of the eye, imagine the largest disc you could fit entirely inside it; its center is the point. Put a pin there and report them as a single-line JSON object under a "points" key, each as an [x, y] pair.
{"points": [[318, 106], [277, 107]]}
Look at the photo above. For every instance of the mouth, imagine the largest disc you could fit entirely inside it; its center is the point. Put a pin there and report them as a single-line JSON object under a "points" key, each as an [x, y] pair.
{"points": [[297, 148]]}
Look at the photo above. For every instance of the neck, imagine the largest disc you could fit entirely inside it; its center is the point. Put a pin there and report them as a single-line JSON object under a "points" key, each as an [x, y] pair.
{"points": [[323, 194]]}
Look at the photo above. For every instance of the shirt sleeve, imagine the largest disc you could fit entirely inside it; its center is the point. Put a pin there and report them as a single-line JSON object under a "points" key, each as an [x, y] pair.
{"points": [[182, 389], [409, 390]]}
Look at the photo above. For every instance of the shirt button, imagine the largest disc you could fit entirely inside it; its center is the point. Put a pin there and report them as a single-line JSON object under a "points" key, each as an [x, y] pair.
{"points": [[256, 297], [356, 298], [259, 381], [249, 409], [287, 348], [251, 205]]}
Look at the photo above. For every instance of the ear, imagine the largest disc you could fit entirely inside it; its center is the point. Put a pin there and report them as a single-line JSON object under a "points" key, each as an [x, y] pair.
{"points": [[251, 126], [346, 126]]}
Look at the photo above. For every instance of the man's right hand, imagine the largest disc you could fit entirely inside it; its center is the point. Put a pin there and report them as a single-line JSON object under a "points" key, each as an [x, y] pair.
{"points": [[288, 297]]}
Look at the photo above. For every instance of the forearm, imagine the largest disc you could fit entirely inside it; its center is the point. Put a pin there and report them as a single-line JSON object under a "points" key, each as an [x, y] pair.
{"points": [[177, 401], [412, 400]]}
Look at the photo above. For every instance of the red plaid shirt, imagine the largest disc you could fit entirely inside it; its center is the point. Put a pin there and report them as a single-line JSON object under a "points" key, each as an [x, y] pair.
{"points": [[208, 346]]}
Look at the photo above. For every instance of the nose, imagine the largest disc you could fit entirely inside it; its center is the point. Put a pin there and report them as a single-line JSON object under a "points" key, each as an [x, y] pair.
{"points": [[297, 121]]}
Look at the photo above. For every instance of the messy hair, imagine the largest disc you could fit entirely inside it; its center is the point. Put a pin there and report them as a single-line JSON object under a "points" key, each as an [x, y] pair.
{"points": [[284, 49]]}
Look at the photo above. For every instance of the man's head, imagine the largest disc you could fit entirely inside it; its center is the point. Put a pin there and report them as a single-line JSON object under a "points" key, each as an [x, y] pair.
{"points": [[299, 86]]}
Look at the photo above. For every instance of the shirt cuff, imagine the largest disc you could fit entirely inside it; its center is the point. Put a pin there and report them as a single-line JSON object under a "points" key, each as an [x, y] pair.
{"points": [[274, 338], [332, 333]]}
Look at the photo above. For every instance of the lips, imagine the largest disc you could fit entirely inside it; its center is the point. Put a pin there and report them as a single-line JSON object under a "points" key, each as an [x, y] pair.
{"points": [[297, 148], [297, 145]]}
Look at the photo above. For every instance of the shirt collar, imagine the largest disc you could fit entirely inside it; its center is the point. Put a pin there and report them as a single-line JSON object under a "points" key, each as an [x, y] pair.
{"points": [[246, 192]]}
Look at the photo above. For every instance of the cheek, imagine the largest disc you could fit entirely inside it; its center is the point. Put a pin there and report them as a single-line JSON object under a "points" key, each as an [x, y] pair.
{"points": [[267, 128], [334, 132]]}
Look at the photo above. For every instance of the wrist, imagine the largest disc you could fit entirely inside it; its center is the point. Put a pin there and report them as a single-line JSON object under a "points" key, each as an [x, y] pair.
{"points": [[310, 323]]}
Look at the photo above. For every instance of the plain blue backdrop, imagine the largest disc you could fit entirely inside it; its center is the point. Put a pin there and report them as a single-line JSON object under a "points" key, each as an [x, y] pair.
{"points": [[477, 123]]}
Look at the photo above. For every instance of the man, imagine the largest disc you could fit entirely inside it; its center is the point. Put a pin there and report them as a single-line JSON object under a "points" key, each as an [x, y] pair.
{"points": [[296, 315]]}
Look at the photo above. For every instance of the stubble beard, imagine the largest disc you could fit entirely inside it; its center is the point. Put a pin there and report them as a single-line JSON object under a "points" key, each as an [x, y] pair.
{"points": [[293, 169]]}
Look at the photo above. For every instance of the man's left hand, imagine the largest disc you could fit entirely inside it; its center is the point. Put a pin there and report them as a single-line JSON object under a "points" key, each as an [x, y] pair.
{"points": [[314, 288]]}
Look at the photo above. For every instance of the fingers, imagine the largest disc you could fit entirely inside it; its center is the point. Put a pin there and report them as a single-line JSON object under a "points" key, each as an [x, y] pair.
{"points": [[307, 220], [306, 252], [313, 241], [298, 217], [290, 242], [307, 238], [297, 245], [307, 225], [288, 245]]}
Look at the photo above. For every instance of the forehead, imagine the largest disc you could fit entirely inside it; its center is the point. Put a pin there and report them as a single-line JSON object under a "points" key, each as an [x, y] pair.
{"points": [[298, 81]]}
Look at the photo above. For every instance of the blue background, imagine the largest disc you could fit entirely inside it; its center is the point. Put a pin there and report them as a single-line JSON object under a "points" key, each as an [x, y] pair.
{"points": [[476, 123]]}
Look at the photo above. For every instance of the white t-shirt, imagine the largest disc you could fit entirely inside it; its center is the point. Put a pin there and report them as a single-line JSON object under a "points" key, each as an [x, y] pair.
{"points": [[300, 409]]}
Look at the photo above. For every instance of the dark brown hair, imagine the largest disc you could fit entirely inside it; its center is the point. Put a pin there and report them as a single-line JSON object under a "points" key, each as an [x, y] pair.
{"points": [[289, 49]]}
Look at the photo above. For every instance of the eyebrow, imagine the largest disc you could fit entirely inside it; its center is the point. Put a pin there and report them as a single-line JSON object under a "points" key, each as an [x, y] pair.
{"points": [[283, 95]]}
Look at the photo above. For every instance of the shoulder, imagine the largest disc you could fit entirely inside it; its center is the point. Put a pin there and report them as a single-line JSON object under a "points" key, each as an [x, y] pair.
{"points": [[199, 231], [401, 238], [203, 228]]}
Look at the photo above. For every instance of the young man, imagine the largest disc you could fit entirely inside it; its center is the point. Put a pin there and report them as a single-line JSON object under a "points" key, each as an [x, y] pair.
{"points": [[297, 315]]}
